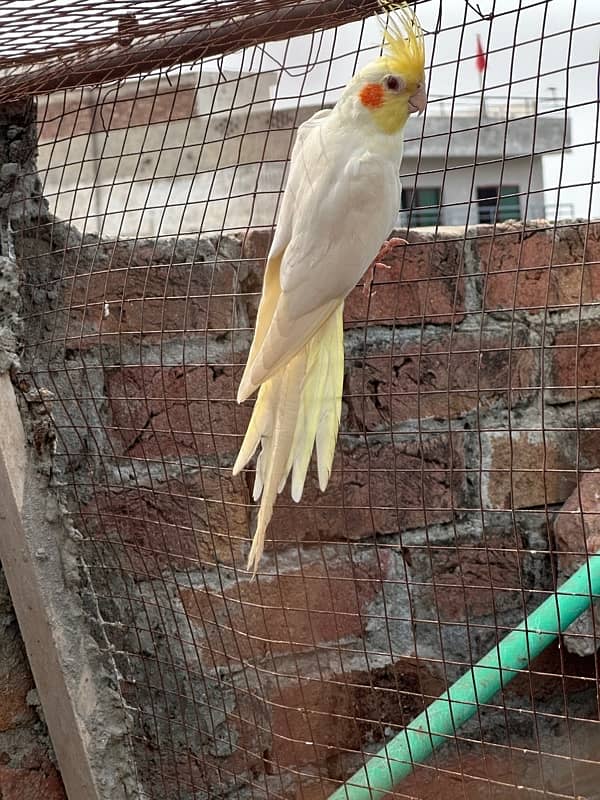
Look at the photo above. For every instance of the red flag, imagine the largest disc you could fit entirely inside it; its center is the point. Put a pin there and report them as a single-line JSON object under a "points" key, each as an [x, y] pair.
{"points": [[480, 59]]}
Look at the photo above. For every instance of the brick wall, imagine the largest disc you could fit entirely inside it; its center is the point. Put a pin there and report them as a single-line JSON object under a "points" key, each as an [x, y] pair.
{"points": [[470, 413], [27, 769]]}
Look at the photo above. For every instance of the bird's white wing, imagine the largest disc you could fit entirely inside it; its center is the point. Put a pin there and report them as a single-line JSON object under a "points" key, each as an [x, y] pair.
{"points": [[283, 232], [340, 221], [340, 203]]}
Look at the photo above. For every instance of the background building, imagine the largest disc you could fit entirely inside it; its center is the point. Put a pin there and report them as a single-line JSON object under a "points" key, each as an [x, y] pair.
{"points": [[203, 154]]}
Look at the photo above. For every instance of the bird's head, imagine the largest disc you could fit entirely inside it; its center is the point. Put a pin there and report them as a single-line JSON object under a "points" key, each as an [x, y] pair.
{"points": [[393, 86]]}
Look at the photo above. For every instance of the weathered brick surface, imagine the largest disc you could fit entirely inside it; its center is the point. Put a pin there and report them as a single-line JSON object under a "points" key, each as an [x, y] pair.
{"points": [[168, 771], [255, 246], [443, 375], [317, 789], [15, 681], [87, 292], [489, 773], [323, 602], [173, 524], [176, 411], [573, 364], [555, 671], [26, 771], [376, 488], [587, 440], [539, 266], [527, 469], [577, 524], [467, 581], [25, 784], [152, 288], [314, 720], [534, 468], [424, 284]]}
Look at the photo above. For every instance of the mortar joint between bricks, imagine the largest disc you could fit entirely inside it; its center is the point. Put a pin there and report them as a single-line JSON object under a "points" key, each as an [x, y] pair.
{"points": [[474, 279]]}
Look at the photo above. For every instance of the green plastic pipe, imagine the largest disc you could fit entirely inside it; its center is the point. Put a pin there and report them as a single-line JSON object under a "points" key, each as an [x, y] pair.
{"points": [[497, 668]]}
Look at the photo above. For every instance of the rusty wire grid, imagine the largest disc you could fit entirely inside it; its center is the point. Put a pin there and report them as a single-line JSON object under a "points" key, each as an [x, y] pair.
{"points": [[463, 489]]}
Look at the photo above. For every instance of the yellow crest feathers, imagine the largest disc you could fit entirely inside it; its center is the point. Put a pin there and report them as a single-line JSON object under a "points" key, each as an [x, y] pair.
{"points": [[404, 44]]}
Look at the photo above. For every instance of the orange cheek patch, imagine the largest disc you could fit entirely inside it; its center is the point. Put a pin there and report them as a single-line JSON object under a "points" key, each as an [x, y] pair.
{"points": [[371, 95]]}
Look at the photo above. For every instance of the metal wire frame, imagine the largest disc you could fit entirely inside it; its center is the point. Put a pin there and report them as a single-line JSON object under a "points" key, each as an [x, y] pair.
{"points": [[208, 684]]}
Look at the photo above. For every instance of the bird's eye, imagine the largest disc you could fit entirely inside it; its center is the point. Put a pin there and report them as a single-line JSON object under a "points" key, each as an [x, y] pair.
{"points": [[392, 83]]}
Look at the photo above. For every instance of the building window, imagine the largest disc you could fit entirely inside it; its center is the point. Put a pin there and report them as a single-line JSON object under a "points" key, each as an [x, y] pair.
{"points": [[498, 203], [422, 206]]}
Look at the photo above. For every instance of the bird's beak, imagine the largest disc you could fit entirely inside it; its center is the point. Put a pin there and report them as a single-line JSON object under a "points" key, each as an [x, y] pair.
{"points": [[417, 101]]}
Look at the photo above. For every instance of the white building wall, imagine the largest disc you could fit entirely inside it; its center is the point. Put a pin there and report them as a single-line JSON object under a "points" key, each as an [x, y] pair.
{"points": [[198, 174], [223, 166], [459, 183]]}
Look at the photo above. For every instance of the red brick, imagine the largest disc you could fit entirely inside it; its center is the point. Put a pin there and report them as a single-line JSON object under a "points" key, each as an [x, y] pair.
{"points": [[173, 524], [375, 488], [24, 784], [525, 469], [441, 376], [255, 246], [313, 720], [538, 266], [573, 364], [287, 612], [492, 773], [553, 673], [15, 681], [587, 444], [467, 580], [151, 288], [182, 411], [545, 465], [320, 789], [424, 284], [577, 524]]}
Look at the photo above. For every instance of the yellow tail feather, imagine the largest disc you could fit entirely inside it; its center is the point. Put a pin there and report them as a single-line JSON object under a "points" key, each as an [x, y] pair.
{"points": [[297, 406]]}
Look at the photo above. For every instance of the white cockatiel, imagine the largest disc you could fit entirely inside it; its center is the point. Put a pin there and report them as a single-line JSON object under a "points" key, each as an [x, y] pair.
{"points": [[339, 205]]}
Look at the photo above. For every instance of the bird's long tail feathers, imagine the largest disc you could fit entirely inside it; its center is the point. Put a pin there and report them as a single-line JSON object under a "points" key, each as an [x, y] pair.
{"points": [[300, 405]]}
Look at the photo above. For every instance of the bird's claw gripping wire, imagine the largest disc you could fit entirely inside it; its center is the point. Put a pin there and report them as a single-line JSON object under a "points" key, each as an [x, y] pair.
{"points": [[386, 249]]}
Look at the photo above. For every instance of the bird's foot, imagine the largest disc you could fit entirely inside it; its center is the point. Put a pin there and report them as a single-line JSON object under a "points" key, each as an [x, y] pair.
{"points": [[386, 249]]}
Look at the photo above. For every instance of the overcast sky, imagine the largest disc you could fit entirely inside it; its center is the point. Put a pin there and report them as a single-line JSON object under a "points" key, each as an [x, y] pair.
{"points": [[536, 47]]}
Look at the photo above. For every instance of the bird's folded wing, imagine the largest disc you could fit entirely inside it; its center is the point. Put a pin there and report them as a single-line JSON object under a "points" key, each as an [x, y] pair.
{"points": [[334, 217]]}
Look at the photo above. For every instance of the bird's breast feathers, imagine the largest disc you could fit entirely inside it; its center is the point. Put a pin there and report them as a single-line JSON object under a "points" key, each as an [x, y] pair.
{"points": [[343, 199]]}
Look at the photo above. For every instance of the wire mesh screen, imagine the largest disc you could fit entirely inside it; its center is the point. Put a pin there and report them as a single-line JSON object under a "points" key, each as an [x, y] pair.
{"points": [[464, 487]]}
